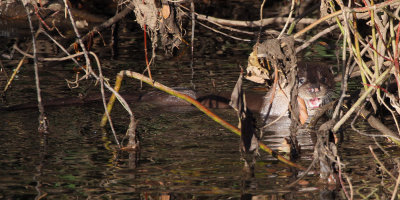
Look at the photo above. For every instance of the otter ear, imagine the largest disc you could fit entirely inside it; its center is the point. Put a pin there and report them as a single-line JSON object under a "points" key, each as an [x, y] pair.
{"points": [[326, 76]]}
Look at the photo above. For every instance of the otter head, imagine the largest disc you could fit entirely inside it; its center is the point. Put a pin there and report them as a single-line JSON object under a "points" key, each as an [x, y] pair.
{"points": [[316, 83]]}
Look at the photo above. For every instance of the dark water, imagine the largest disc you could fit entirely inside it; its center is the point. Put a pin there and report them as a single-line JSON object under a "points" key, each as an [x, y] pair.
{"points": [[184, 154]]}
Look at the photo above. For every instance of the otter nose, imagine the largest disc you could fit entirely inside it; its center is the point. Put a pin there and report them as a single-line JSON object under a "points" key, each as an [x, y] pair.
{"points": [[313, 89]]}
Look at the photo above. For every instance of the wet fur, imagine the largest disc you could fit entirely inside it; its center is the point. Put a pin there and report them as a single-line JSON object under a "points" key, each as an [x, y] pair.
{"points": [[311, 76]]}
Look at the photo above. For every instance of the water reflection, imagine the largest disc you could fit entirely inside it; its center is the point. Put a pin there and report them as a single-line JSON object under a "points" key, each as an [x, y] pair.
{"points": [[194, 158]]}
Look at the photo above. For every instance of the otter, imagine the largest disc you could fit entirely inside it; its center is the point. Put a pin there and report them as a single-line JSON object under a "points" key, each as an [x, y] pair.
{"points": [[315, 85]]}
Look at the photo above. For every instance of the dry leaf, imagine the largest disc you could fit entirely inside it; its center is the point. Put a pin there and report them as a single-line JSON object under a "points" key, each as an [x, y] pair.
{"points": [[303, 114], [255, 79], [165, 11], [256, 72]]}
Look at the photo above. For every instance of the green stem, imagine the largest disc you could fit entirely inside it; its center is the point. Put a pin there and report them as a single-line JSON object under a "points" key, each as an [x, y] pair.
{"points": [[358, 54]]}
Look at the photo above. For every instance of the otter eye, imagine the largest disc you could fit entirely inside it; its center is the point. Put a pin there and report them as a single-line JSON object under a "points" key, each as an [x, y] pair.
{"points": [[322, 79], [302, 80]]}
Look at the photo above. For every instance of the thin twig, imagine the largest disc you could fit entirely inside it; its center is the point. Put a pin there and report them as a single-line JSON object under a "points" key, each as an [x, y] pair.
{"points": [[225, 34], [41, 30], [380, 163], [394, 195], [71, 17], [249, 24], [391, 112], [304, 173], [316, 37], [43, 124], [193, 16], [101, 78], [224, 27], [345, 65], [341, 181], [287, 21], [261, 21], [192, 42], [145, 48]]}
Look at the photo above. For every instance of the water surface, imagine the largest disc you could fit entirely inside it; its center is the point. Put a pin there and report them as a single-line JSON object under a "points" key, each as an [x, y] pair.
{"points": [[184, 154]]}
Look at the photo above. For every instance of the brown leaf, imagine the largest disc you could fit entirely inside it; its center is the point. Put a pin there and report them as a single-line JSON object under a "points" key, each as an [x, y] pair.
{"points": [[303, 114], [255, 71], [165, 11]]}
